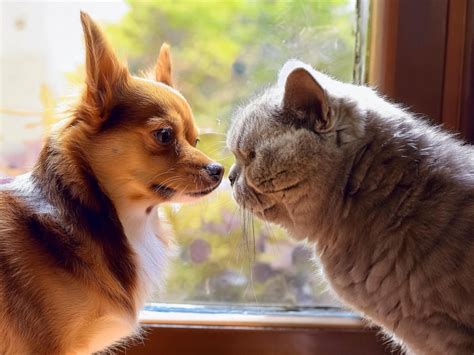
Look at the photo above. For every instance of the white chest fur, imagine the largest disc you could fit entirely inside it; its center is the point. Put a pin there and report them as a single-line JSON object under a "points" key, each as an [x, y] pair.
{"points": [[147, 237]]}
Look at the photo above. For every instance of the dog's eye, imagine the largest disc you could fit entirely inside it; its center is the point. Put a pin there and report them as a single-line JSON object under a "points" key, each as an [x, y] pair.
{"points": [[196, 142], [164, 135]]}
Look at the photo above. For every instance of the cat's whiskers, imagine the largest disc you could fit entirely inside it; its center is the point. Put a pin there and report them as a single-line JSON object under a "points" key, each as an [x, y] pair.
{"points": [[247, 222]]}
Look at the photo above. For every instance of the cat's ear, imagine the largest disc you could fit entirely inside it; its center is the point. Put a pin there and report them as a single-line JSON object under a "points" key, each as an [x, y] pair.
{"points": [[163, 66], [104, 71], [303, 93]]}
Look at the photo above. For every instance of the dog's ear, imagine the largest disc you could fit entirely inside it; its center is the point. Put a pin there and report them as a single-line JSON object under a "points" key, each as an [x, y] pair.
{"points": [[163, 66], [104, 72], [303, 93]]}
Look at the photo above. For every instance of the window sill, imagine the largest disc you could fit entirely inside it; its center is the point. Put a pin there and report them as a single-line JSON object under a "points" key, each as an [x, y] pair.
{"points": [[248, 316], [236, 330]]}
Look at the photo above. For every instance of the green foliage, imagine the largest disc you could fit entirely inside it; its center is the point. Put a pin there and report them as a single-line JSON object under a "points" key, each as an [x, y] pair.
{"points": [[222, 52]]}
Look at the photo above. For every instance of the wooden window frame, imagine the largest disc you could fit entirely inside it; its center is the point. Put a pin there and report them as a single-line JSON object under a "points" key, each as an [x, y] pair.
{"points": [[226, 340], [210, 330], [422, 55]]}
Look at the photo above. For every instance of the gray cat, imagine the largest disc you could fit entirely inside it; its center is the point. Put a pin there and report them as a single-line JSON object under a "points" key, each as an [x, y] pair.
{"points": [[387, 199]]}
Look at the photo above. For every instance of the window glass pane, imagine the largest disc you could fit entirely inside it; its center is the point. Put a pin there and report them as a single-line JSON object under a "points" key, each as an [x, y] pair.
{"points": [[223, 51]]}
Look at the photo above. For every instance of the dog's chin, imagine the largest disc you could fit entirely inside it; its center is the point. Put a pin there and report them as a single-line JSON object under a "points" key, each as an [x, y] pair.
{"points": [[163, 191], [203, 192], [175, 196]]}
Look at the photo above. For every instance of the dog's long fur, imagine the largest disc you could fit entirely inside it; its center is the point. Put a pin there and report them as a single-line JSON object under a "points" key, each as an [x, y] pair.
{"points": [[81, 243]]}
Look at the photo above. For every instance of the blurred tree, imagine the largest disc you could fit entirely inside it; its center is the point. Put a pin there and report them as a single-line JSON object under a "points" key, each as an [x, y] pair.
{"points": [[224, 50]]}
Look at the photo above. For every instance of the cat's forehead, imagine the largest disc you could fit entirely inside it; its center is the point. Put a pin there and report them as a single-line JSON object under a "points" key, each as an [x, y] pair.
{"points": [[253, 121]]}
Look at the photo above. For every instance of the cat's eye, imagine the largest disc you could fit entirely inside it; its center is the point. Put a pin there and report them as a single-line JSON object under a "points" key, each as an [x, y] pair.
{"points": [[251, 155], [164, 136]]}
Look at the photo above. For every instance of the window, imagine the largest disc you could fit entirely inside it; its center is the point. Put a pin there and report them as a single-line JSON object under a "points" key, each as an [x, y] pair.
{"points": [[223, 51], [220, 58]]}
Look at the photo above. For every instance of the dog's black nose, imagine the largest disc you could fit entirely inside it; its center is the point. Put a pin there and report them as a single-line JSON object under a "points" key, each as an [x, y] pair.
{"points": [[215, 170]]}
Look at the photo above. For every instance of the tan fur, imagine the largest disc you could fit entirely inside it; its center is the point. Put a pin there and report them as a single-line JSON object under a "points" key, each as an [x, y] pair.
{"points": [[81, 241], [163, 66], [387, 199]]}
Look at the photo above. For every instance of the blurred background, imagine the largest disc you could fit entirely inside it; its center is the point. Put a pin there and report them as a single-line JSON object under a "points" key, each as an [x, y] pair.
{"points": [[223, 52]]}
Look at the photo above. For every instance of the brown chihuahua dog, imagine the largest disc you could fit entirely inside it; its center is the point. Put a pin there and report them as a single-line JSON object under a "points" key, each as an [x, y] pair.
{"points": [[81, 244]]}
